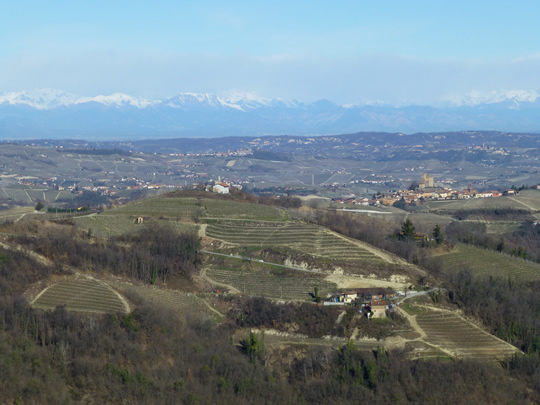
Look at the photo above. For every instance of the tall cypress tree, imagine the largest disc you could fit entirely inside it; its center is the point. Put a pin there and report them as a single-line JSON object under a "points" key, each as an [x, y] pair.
{"points": [[437, 234]]}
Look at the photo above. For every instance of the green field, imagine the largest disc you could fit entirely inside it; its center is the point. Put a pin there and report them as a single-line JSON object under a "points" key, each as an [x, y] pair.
{"points": [[483, 262], [81, 294], [446, 330], [269, 285], [304, 238], [188, 207]]}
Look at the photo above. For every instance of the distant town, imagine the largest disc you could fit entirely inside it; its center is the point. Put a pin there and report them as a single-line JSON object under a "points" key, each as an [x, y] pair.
{"points": [[424, 190]]}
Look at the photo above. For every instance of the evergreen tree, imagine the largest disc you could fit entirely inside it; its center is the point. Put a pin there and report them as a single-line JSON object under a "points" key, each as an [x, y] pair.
{"points": [[316, 296], [253, 346], [437, 234], [407, 230]]}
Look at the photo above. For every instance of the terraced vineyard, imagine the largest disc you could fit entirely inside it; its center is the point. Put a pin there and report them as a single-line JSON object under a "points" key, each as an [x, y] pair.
{"points": [[27, 194], [81, 294], [446, 330], [189, 206], [265, 284], [181, 302], [305, 238], [104, 225], [475, 203], [334, 247], [488, 263]]}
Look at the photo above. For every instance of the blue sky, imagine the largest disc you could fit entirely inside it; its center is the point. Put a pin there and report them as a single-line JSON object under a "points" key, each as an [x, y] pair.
{"points": [[415, 52]]}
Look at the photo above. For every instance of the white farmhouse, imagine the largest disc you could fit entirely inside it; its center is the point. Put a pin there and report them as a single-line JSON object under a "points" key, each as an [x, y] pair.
{"points": [[221, 188]]}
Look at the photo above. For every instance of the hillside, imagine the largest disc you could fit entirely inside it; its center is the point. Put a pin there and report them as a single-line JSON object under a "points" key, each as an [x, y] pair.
{"points": [[114, 299]]}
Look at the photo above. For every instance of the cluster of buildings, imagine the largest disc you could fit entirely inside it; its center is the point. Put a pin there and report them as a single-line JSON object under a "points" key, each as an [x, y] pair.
{"points": [[237, 152], [426, 190]]}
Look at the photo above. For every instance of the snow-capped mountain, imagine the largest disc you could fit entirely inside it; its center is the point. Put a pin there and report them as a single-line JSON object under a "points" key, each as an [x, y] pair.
{"points": [[245, 99], [43, 99], [54, 113], [510, 97], [118, 100], [194, 100], [46, 99]]}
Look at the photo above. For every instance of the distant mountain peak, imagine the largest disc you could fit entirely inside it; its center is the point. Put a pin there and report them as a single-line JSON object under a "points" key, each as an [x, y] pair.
{"points": [[41, 99], [118, 100], [198, 100], [512, 97], [246, 100], [46, 99]]}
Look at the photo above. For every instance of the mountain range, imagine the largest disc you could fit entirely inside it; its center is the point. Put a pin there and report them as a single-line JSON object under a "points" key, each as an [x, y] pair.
{"points": [[55, 114]]}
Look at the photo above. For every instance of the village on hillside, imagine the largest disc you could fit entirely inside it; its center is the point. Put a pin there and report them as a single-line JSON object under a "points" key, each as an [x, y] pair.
{"points": [[425, 190]]}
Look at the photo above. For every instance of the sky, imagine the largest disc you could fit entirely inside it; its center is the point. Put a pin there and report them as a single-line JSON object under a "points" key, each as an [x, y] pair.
{"points": [[395, 52]]}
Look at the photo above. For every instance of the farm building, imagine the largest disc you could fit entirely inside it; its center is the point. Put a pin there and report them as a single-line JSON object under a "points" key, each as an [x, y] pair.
{"points": [[221, 188], [378, 309], [348, 296], [375, 309]]}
